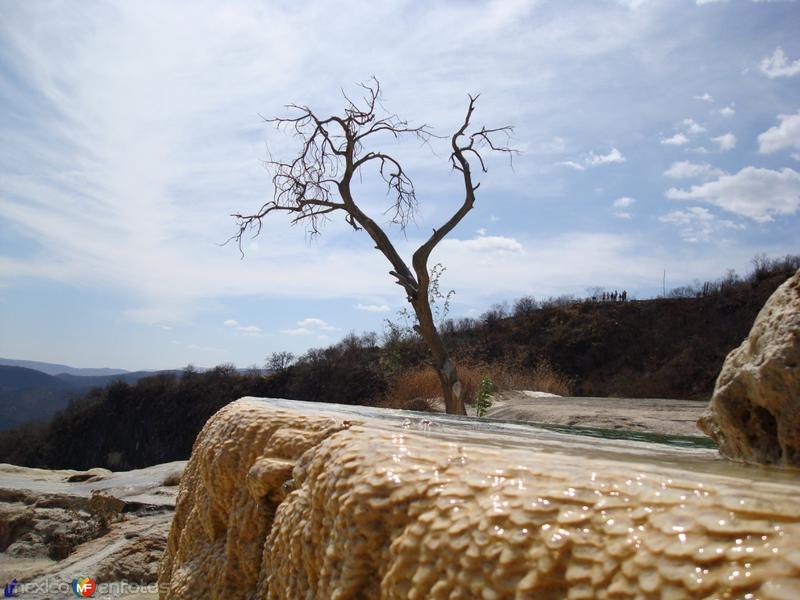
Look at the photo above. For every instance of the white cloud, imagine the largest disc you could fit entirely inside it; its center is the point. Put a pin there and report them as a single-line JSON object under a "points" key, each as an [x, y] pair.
{"points": [[706, 97], [481, 231], [687, 170], [375, 308], [778, 65], [784, 135], [679, 139], [698, 150], [297, 331], [727, 111], [693, 127], [572, 164], [313, 323], [309, 326], [231, 323], [755, 193], [702, 2], [624, 202], [614, 156], [485, 245], [697, 224], [796, 155], [250, 330], [726, 142]]}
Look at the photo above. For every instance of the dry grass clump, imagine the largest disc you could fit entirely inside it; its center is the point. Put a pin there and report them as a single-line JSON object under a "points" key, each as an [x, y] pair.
{"points": [[542, 377], [418, 388]]}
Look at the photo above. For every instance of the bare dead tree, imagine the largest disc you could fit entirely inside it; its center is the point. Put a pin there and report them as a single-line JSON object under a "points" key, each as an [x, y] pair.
{"points": [[318, 183]]}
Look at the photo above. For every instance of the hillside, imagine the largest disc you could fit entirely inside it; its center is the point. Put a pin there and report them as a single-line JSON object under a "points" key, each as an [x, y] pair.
{"points": [[27, 395], [661, 348], [665, 348], [30, 395]]}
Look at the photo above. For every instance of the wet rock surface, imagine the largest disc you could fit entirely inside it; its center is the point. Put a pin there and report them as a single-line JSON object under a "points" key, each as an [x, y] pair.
{"points": [[59, 525], [653, 415], [451, 508], [754, 414]]}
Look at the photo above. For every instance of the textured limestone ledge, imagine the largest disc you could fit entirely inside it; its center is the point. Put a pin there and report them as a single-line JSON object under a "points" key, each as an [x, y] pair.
{"points": [[295, 500], [754, 414]]}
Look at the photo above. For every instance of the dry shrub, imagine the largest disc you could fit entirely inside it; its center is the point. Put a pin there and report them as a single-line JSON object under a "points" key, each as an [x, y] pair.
{"points": [[542, 377], [419, 387]]}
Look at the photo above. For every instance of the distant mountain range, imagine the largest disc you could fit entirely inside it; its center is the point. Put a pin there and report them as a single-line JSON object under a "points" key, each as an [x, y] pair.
{"points": [[35, 394], [32, 391], [56, 369]]}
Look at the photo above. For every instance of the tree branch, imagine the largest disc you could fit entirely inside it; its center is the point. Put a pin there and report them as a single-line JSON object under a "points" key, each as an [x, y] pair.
{"points": [[458, 158]]}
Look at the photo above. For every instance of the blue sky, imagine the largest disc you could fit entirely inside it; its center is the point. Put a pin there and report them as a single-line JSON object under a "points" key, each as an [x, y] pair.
{"points": [[654, 135]]}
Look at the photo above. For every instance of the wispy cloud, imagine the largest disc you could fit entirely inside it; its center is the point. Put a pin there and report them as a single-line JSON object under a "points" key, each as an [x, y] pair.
{"points": [[621, 204], [705, 97], [698, 224], [594, 160], [679, 139], [758, 194], [693, 127], [485, 244], [314, 323], [778, 65], [688, 170], [310, 326], [375, 308], [726, 141], [624, 202], [571, 164], [784, 135], [612, 156], [251, 330]]}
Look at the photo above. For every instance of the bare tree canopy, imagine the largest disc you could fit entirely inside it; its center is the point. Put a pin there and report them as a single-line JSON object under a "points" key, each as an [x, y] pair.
{"points": [[317, 182]]}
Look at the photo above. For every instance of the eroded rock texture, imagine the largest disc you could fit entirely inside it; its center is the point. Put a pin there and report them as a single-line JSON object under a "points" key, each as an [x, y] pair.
{"points": [[228, 496], [377, 512], [754, 414]]}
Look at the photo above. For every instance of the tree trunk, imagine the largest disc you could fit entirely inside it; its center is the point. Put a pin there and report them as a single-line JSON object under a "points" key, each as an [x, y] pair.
{"points": [[451, 388], [442, 363]]}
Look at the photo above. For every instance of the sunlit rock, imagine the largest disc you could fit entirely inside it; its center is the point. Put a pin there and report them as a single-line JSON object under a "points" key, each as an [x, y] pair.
{"points": [[396, 507], [754, 414]]}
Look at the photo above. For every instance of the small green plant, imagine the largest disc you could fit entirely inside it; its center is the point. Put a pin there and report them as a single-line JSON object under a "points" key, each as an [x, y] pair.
{"points": [[484, 402]]}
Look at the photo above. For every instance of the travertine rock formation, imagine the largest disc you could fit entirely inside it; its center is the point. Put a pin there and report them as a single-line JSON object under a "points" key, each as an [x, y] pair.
{"points": [[754, 414], [56, 525], [290, 504]]}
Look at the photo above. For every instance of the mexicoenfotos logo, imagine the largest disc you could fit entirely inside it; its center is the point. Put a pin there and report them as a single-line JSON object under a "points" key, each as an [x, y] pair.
{"points": [[8, 591], [84, 587]]}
